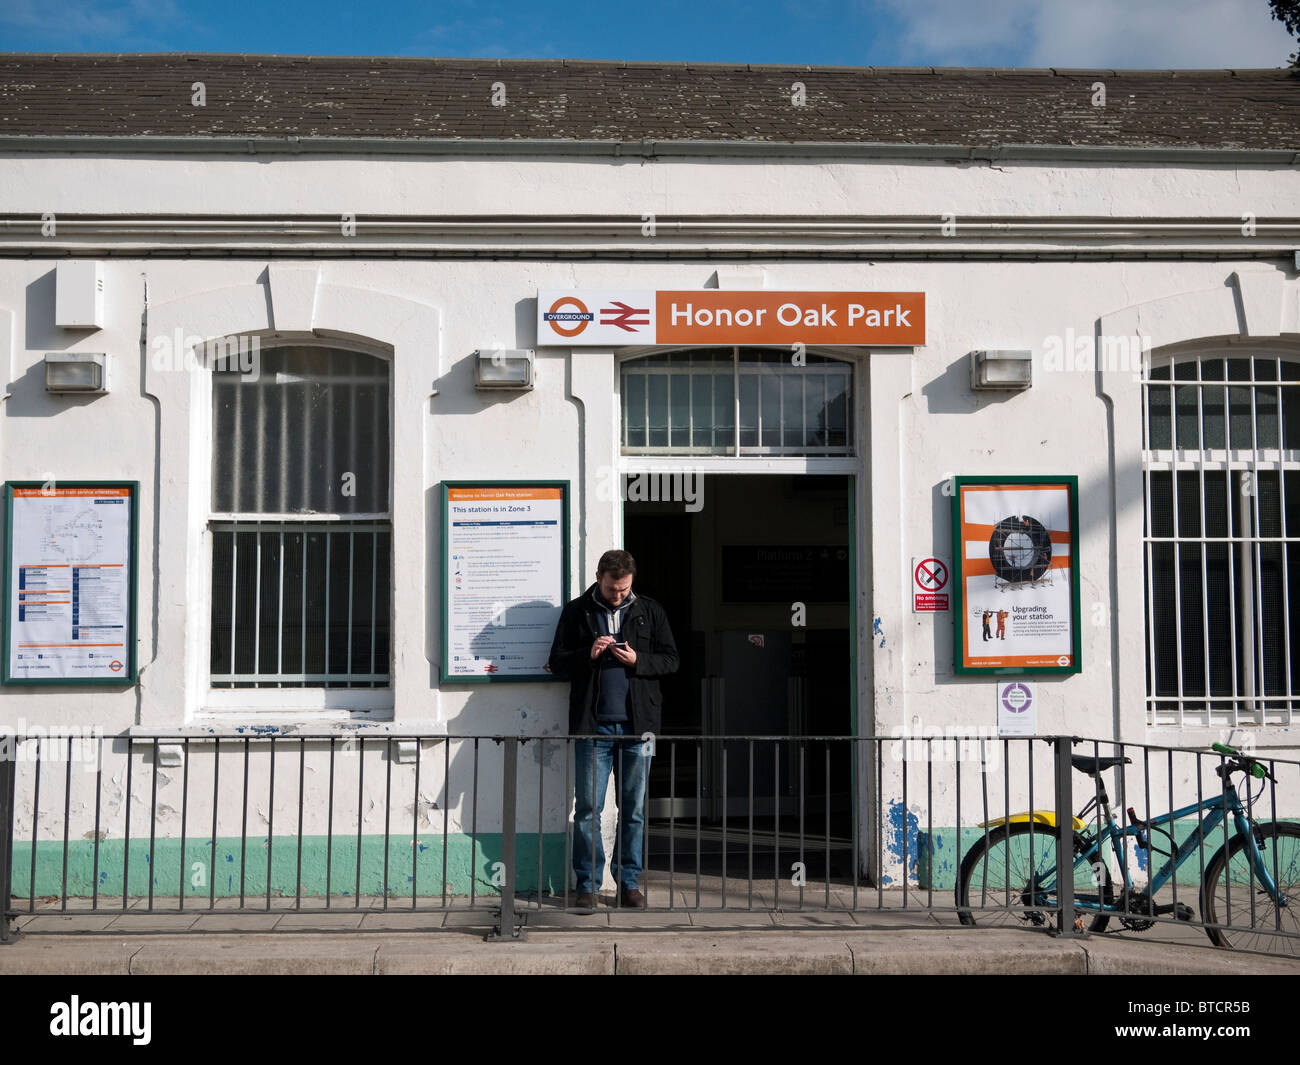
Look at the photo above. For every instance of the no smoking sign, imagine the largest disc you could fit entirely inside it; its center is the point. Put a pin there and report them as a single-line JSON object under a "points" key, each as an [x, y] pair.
{"points": [[929, 585]]}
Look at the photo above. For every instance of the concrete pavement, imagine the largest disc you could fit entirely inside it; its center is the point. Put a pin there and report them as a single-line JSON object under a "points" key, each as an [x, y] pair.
{"points": [[879, 937]]}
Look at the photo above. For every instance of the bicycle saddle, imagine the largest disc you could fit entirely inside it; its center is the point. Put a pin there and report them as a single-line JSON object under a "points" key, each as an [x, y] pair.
{"points": [[1086, 763]]}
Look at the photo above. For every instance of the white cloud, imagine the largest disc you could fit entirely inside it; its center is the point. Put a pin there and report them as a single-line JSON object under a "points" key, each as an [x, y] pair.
{"points": [[1159, 34]]}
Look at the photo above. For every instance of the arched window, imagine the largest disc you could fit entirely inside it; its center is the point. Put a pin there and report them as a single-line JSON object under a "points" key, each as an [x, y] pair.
{"points": [[300, 525], [737, 401], [1221, 440]]}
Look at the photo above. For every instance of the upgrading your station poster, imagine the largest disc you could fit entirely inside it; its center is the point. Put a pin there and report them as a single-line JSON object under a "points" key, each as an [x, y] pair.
{"points": [[1017, 579]]}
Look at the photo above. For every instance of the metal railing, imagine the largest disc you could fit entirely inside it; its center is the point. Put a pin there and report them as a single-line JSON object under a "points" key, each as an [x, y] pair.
{"points": [[283, 822]]}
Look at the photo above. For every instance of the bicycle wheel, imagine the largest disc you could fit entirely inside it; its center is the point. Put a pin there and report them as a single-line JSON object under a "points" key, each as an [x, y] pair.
{"points": [[996, 875], [1232, 894]]}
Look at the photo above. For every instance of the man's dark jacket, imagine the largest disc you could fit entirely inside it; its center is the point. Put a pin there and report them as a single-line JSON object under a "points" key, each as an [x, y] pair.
{"points": [[645, 628]]}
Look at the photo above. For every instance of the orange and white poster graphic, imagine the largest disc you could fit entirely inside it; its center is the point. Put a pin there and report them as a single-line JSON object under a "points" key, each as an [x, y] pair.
{"points": [[1017, 585], [69, 583]]}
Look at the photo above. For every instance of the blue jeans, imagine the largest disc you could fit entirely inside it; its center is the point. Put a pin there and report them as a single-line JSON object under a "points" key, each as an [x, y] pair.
{"points": [[630, 770]]}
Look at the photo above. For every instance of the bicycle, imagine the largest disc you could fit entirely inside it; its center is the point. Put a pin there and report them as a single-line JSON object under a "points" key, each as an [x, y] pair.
{"points": [[1257, 870]]}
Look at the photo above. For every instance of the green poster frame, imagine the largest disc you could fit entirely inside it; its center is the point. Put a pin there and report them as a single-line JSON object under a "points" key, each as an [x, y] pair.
{"points": [[959, 584], [130, 675], [527, 678]]}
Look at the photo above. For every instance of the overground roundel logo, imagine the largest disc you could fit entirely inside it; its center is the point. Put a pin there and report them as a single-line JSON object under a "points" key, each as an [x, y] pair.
{"points": [[115, 665], [579, 315]]}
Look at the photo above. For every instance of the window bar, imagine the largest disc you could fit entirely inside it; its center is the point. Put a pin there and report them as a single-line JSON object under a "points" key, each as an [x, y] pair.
{"points": [[327, 415], [1244, 592], [351, 458], [279, 622], [1233, 547], [302, 667], [259, 498], [352, 542], [329, 578], [1257, 588], [374, 586], [237, 503], [1286, 582], [803, 422], [281, 464], [735, 399], [1154, 688], [415, 826], [1178, 544], [257, 613], [234, 589], [690, 408], [1204, 547]]}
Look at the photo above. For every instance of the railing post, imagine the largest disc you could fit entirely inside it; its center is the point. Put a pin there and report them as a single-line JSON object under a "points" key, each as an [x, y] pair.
{"points": [[8, 766], [507, 928], [1065, 842]]}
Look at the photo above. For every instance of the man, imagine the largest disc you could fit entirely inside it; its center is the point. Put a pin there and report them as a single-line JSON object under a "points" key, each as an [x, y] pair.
{"points": [[987, 614], [612, 645], [1002, 624]]}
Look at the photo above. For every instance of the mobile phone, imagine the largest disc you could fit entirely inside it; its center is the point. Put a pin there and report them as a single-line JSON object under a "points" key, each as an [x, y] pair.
{"points": [[621, 644]]}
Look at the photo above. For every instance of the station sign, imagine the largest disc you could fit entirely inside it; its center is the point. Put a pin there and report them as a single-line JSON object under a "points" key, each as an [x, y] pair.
{"points": [[618, 317]]}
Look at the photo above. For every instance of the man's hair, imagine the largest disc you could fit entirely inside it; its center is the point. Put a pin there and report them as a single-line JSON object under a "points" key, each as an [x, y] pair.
{"points": [[618, 564]]}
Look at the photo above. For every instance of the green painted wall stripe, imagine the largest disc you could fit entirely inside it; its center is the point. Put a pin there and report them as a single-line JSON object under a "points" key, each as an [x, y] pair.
{"points": [[205, 865]]}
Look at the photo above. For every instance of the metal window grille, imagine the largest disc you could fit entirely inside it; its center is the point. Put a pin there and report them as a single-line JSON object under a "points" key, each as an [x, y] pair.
{"points": [[300, 531], [736, 401], [1221, 455]]}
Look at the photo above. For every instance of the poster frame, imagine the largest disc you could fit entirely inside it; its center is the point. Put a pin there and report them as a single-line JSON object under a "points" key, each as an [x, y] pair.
{"points": [[443, 550], [130, 675], [959, 584]]}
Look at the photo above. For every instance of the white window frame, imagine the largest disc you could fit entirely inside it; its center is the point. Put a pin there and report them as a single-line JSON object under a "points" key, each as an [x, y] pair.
{"points": [[310, 703], [1249, 708], [753, 460]]}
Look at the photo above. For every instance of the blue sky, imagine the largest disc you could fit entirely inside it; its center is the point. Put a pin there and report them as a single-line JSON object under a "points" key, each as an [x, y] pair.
{"points": [[1060, 33]]}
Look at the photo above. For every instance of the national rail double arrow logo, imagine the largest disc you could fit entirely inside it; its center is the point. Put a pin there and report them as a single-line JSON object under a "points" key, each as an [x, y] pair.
{"points": [[624, 317]]}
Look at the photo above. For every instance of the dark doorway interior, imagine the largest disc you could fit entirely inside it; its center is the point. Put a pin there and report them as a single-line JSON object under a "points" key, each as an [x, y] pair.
{"points": [[729, 575]]}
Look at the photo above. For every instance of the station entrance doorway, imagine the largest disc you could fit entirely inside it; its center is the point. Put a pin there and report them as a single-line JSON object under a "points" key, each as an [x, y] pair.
{"points": [[756, 577]]}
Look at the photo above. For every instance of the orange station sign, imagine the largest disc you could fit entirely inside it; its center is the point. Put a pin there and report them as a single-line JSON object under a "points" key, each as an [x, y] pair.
{"points": [[576, 318]]}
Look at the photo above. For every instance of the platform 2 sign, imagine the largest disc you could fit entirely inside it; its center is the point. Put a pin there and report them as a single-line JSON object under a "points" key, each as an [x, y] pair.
{"points": [[69, 582], [1016, 575]]}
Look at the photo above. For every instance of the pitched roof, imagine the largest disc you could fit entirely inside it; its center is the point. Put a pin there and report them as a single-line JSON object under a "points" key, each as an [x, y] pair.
{"points": [[266, 96]]}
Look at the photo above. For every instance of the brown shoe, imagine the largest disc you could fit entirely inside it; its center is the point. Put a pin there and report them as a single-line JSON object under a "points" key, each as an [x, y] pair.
{"points": [[632, 898], [585, 902]]}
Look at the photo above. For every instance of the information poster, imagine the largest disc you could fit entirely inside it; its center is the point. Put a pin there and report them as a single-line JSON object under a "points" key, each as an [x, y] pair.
{"points": [[505, 577], [1017, 575], [69, 582]]}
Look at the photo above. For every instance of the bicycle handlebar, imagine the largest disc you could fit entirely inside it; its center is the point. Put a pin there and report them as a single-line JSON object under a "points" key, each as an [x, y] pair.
{"points": [[1243, 762]]}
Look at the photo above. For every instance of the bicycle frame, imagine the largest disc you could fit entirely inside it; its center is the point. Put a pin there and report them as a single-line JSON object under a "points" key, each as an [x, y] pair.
{"points": [[1210, 814]]}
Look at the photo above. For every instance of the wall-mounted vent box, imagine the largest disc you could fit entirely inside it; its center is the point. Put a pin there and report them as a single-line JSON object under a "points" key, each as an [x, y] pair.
{"points": [[79, 295]]}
